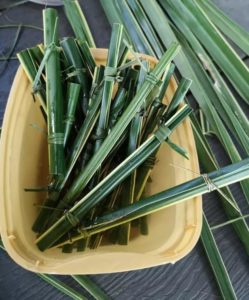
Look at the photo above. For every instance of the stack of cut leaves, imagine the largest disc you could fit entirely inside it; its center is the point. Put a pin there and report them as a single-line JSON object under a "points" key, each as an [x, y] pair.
{"points": [[219, 77], [103, 123]]}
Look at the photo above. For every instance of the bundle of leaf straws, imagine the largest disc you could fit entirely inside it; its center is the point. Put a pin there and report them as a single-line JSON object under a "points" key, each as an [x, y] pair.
{"points": [[105, 125]]}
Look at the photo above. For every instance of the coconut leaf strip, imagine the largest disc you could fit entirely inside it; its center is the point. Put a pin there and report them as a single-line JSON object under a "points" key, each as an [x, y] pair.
{"points": [[178, 97], [30, 70], [124, 54], [91, 287], [180, 150], [133, 142], [36, 84], [112, 12], [137, 35], [220, 51], [87, 55], [117, 106], [78, 22], [232, 221], [216, 262], [146, 26], [202, 80], [65, 289], [230, 28], [209, 164]]}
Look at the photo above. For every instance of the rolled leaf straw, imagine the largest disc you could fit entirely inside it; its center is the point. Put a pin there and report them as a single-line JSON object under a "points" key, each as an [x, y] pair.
{"points": [[151, 119], [216, 262], [54, 95], [73, 92], [110, 76], [78, 73], [93, 165], [54, 105], [133, 142], [117, 106], [109, 81], [146, 26], [133, 132]]}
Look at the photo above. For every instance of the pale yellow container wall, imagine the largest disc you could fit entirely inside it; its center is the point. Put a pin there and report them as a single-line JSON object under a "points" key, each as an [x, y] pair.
{"points": [[173, 232]]}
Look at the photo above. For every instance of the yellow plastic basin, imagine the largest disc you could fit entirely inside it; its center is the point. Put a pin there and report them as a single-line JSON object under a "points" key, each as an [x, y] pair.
{"points": [[173, 232]]}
